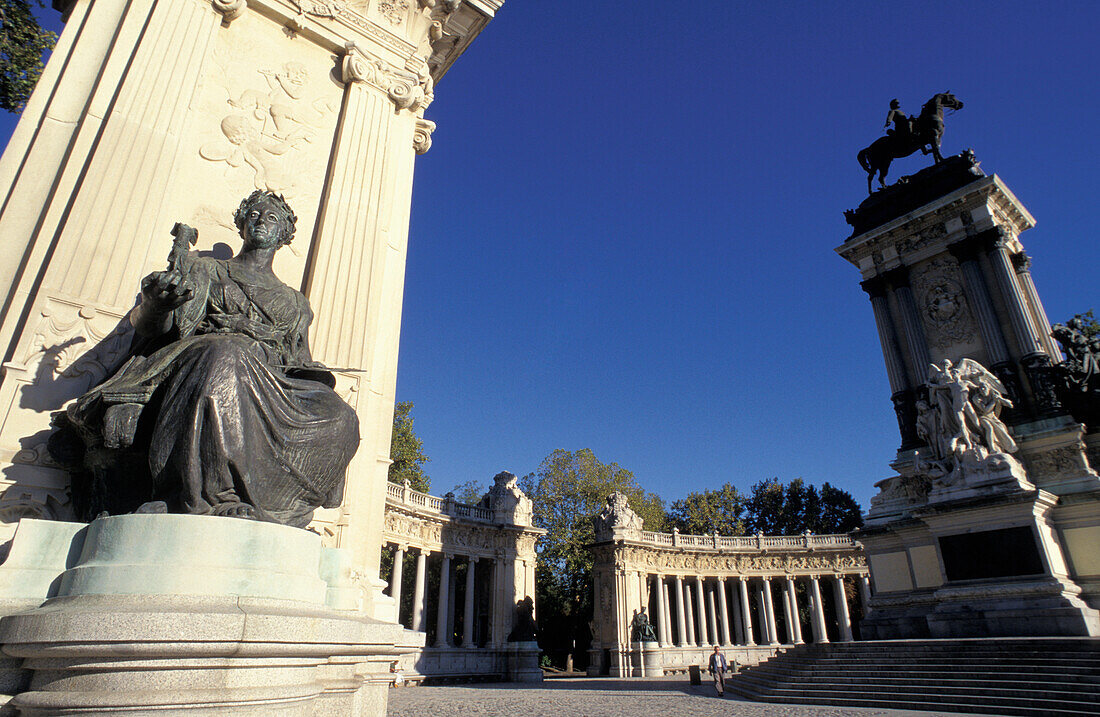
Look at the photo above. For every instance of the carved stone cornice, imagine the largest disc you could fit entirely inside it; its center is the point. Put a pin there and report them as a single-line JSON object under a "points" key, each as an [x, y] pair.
{"points": [[408, 89]]}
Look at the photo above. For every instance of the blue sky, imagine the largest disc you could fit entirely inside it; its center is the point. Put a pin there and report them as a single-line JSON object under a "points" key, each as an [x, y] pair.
{"points": [[623, 236]]}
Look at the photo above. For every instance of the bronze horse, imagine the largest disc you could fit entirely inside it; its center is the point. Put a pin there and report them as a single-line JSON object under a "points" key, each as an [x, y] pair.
{"points": [[925, 135]]}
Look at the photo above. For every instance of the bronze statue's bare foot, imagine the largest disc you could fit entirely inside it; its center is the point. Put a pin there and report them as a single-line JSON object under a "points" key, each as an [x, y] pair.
{"points": [[235, 510]]}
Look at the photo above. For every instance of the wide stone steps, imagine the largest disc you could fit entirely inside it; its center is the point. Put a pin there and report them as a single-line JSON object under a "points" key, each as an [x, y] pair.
{"points": [[944, 680], [1033, 677]]}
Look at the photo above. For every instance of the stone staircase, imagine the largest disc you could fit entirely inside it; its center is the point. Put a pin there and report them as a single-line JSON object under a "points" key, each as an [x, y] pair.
{"points": [[1037, 677]]}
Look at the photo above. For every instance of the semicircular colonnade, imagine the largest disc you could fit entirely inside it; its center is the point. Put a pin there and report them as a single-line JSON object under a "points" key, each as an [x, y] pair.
{"points": [[749, 595]]}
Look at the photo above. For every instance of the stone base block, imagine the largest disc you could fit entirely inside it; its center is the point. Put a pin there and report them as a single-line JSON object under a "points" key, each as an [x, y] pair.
{"points": [[652, 661], [196, 655], [164, 615], [523, 662]]}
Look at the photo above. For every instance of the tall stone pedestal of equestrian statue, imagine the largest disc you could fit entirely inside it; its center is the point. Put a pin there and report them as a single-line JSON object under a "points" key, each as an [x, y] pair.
{"points": [[992, 522]]}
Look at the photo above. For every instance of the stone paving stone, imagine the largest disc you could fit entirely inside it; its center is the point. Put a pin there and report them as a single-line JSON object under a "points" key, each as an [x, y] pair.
{"points": [[606, 697]]}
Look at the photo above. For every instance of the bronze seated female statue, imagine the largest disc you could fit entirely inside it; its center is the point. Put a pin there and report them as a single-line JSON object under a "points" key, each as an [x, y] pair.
{"points": [[220, 409]]}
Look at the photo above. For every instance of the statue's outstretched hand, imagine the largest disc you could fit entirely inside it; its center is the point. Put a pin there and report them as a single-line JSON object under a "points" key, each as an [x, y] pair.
{"points": [[166, 290]]}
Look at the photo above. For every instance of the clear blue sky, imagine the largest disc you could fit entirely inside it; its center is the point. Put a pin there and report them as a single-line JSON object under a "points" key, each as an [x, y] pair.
{"points": [[623, 236]]}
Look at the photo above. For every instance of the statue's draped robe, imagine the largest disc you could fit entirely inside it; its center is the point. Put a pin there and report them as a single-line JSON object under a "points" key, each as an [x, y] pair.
{"points": [[229, 403]]}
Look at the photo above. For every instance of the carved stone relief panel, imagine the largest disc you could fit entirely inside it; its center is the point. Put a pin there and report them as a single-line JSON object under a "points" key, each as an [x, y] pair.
{"points": [[943, 306], [263, 117], [1060, 462], [70, 347]]}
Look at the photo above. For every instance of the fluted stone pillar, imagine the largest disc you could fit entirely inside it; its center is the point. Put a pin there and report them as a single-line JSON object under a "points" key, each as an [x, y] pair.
{"points": [[681, 625], [700, 601], [887, 335], [1027, 334], [769, 611], [468, 607], [865, 593], [820, 634], [911, 325], [712, 633], [690, 610], [395, 578], [669, 617], [1022, 264], [746, 611], [787, 614], [735, 618], [723, 607], [842, 617], [418, 592], [442, 639], [662, 617], [796, 625]]}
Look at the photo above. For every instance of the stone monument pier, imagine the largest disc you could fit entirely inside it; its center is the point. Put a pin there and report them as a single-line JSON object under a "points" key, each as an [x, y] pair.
{"points": [[152, 118], [991, 524]]}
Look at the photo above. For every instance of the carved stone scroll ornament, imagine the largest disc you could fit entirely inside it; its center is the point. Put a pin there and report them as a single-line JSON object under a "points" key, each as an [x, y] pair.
{"points": [[422, 137], [230, 9], [408, 90]]}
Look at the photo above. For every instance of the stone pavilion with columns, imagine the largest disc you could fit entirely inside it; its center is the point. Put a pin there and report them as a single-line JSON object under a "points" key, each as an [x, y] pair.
{"points": [[483, 559], [740, 592]]}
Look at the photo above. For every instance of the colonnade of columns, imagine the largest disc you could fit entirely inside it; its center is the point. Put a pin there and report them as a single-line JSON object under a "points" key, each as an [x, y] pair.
{"points": [[446, 602], [719, 610]]}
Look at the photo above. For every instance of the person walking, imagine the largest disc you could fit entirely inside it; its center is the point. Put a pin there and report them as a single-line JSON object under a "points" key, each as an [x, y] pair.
{"points": [[718, 671]]}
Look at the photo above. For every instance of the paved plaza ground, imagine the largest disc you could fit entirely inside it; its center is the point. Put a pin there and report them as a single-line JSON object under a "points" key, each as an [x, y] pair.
{"points": [[605, 697]]}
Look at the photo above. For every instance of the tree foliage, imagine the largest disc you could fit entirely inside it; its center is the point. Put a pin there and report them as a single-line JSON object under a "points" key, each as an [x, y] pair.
{"points": [[22, 42], [771, 508], [719, 511], [567, 490], [471, 492], [777, 509], [407, 451]]}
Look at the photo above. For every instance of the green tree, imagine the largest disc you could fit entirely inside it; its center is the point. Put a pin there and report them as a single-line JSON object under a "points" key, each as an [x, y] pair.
{"points": [[471, 492], [407, 451], [712, 511], [566, 491], [22, 43], [777, 509]]}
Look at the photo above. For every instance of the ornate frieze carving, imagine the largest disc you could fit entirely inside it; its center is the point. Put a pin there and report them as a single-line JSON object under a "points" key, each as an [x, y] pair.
{"points": [[655, 559], [1064, 461], [395, 11]]}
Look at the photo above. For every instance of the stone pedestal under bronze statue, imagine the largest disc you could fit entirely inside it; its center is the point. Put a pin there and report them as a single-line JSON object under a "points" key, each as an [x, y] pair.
{"points": [[991, 524], [189, 615]]}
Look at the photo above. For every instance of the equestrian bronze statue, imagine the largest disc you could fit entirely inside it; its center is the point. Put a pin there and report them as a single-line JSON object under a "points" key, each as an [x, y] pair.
{"points": [[922, 132]]}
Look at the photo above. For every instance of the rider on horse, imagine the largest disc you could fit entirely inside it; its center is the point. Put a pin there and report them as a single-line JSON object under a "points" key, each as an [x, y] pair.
{"points": [[903, 125]]}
